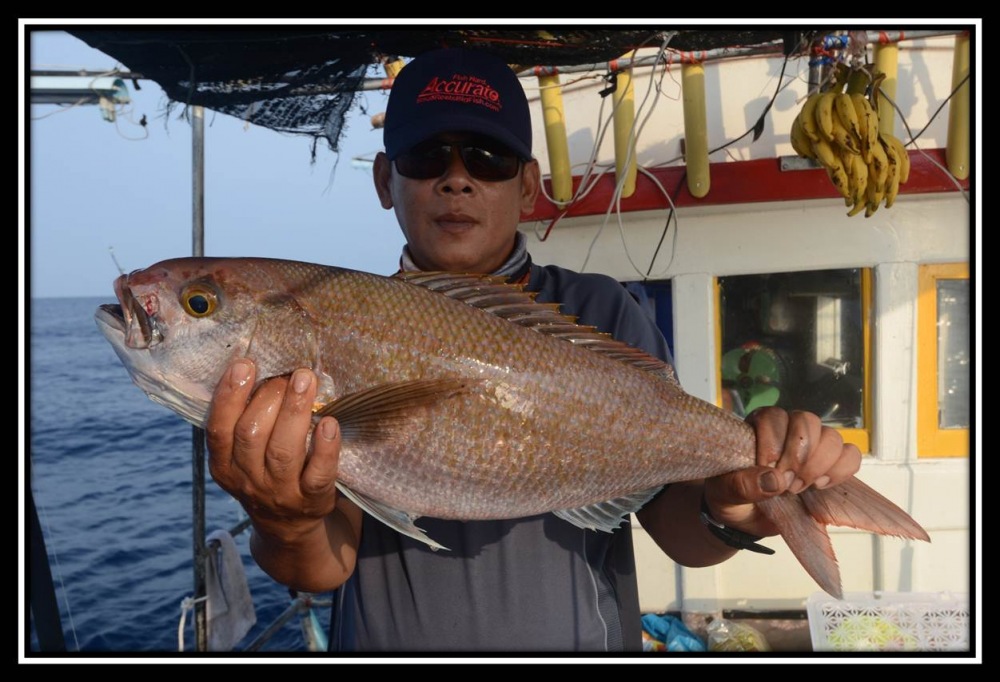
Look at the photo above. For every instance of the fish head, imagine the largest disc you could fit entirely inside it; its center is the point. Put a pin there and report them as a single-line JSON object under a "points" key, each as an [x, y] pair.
{"points": [[179, 323]]}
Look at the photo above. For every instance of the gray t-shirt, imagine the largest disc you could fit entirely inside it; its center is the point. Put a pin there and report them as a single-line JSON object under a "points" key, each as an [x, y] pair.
{"points": [[537, 584]]}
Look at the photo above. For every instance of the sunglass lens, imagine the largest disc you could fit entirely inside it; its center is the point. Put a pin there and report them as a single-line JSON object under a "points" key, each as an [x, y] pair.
{"points": [[487, 164], [483, 161], [423, 161]]}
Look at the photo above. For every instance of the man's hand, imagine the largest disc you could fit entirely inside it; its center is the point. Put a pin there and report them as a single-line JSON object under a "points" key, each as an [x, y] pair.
{"points": [[794, 451], [258, 450]]}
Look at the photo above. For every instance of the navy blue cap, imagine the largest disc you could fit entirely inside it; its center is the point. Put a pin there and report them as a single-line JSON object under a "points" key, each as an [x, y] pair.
{"points": [[456, 90]]}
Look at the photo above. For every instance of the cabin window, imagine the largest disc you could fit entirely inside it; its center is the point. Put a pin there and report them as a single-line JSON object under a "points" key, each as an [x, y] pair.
{"points": [[798, 340], [943, 393], [654, 296]]}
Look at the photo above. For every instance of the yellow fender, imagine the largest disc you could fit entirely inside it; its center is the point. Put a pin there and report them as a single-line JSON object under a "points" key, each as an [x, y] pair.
{"points": [[393, 68], [887, 62], [624, 120], [695, 129], [554, 117], [957, 150]]}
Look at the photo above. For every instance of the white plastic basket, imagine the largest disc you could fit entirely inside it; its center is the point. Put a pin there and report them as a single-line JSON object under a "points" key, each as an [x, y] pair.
{"points": [[889, 621]]}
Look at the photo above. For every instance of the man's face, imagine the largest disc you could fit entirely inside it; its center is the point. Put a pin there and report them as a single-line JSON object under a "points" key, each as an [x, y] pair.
{"points": [[457, 222]]}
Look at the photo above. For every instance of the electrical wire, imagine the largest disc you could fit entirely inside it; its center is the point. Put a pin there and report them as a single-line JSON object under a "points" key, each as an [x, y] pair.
{"points": [[913, 138], [937, 111], [672, 215], [127, 113], [118, 110], [758, 125], [83, 100], [62, 109], [588, 181], [634, 132]]}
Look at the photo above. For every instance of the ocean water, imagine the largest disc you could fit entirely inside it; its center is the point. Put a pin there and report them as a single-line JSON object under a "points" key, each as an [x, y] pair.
{"points": [[111, 475]]}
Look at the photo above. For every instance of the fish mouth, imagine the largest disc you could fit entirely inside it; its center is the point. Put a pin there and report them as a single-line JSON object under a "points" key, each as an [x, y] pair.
{"points": [[132, 329], [129, 317]]}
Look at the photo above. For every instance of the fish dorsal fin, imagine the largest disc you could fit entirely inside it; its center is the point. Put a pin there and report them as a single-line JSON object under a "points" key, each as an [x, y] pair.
{"points": [[511, 302]]}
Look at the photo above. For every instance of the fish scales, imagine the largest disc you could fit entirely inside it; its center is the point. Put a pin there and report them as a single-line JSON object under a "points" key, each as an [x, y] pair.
{"points": [[548, 430], [449, 410]]}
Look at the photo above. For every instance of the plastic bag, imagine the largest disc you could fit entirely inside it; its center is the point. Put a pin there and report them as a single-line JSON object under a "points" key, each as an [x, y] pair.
{"points": [[668, 633], [727, 635]]}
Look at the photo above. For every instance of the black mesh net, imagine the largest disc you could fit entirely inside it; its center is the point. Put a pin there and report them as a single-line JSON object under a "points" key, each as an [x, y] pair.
{"points": [[306, 80]]}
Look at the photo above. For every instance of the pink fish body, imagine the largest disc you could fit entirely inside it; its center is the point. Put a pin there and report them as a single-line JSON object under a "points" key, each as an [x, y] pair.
{"points": [[458, 396]]}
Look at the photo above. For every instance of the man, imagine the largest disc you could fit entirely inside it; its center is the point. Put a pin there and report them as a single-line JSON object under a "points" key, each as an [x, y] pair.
{"points": [[457, 170]]}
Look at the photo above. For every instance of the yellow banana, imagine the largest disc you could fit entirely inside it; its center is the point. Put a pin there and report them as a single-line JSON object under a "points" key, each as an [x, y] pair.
{"points": [[892, 186], [848, 165], [824, 153], [800, 141], [904, 163], [892, 180], [807, 117], [879, 166], [904, 156], [868, 124], [858, 205], [843, 137], [859, 180], [824, 115], [873, 197], [844, 106], [838, 176]]}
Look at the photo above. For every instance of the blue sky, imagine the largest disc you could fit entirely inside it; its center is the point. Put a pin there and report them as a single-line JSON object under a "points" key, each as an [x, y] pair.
{"points": [[97, 185]]}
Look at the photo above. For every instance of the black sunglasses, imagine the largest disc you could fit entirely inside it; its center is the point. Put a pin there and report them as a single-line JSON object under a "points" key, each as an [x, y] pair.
{"points": [[484, 159]]}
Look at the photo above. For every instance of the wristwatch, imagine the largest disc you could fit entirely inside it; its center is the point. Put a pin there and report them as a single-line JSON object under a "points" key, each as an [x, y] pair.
{"points": [[732, 537]]}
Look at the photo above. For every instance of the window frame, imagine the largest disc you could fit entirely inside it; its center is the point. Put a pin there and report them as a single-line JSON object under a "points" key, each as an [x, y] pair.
{"points": [[861, 437], [933, 441]]}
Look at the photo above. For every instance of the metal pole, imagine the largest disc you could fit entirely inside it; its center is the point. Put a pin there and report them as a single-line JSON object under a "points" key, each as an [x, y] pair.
{"points": [[816, 73], [198, 180], [44, 605], [197, 434]]}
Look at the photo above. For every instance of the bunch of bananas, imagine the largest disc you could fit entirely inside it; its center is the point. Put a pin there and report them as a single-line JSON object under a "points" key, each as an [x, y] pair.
{"points": [[839, 129]]}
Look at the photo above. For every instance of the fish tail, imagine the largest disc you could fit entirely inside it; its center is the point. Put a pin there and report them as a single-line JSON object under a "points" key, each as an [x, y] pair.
{"points": [[802, 520], [807, 538], [856, 505]]}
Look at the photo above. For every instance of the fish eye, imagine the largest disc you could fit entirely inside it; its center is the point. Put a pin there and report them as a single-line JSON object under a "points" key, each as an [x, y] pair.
{"points": [[199, 301]]}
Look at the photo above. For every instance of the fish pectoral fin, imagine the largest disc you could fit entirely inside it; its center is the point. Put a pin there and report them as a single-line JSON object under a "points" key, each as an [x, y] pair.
{"points": [[399, 521], [370, 413], [607, 516]]}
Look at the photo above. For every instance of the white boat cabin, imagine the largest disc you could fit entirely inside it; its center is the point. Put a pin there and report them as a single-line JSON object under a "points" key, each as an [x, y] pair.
{"points": [[769, 293]]}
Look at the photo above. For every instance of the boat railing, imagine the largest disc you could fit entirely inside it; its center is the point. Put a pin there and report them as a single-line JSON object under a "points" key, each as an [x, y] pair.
{"points": [[302, 603]]}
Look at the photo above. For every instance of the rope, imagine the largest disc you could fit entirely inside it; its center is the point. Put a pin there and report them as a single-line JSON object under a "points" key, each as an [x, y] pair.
{"points": [[187, 604]]}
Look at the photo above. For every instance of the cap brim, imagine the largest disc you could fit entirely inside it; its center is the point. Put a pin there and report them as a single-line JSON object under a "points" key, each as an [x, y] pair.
{"points": [[411, 133]]}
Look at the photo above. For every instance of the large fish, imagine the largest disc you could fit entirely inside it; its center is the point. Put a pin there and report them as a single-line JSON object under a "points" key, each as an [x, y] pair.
{"points": [[459, 396]]}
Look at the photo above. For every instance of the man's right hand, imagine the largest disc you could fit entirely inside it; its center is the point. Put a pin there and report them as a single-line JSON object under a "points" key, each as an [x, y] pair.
{"points": [[261, 454]]}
